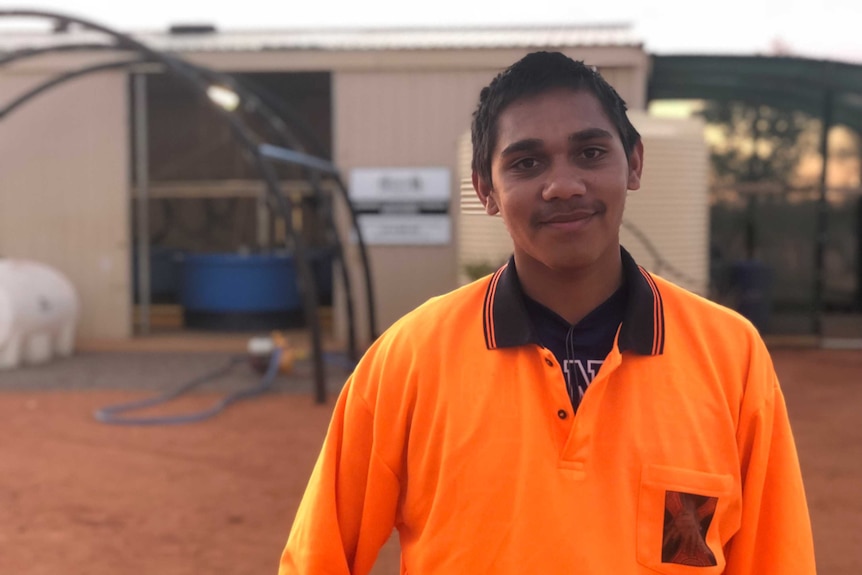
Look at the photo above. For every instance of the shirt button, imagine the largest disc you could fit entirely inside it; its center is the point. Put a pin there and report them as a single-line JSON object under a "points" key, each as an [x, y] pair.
{"points": [[562, 414], [549, 362]]}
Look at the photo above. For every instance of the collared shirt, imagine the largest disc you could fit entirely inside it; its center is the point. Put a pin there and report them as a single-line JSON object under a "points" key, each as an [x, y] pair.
{"points": [[456, 429]]}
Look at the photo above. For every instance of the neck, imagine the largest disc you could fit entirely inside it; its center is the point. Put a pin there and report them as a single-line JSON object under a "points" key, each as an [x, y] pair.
{"points": [[571, 293]]}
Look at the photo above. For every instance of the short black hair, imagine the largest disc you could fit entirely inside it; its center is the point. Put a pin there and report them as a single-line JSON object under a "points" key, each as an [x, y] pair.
{"points": [[535, 74]]}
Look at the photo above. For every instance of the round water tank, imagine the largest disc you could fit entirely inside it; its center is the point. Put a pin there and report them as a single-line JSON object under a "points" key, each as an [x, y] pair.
{"points": [[38, 313]]}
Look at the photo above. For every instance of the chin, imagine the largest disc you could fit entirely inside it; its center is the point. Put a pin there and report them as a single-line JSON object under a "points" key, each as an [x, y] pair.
{"points": [[571, 260], [567, 254]]}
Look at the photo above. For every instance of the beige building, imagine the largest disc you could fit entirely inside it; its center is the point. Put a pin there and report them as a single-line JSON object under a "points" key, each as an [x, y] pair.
{"points": [[393, 100]]}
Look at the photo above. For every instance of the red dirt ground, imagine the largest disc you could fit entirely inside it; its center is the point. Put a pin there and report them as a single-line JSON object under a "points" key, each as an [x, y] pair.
{"points": [[81, 498]]}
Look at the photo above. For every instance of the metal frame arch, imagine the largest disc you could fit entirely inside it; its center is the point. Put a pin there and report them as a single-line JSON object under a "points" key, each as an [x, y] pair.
{"points": [[194, 77]]}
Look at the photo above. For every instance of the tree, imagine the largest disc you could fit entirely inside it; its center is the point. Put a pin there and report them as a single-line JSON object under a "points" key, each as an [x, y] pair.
{"points": [[758, 143]]}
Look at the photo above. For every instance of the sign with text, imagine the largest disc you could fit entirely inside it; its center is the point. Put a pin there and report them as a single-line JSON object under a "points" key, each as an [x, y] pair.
{"points": [[402, 206]]}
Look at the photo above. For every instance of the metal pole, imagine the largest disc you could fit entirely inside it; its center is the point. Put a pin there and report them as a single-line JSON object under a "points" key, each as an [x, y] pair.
{"points": [[858, 303], [857, 307], [822, 219], [142, 181]]}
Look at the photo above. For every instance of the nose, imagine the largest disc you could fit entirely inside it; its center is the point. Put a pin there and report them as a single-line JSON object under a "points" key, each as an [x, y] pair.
{"points": [[564, 182]]}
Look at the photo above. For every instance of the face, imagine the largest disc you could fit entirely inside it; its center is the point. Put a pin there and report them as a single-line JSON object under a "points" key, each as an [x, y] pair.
{"points": [[559, 180]]}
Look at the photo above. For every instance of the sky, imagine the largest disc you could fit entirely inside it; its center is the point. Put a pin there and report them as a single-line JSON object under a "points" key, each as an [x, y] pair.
{"points": [[827, 29]]}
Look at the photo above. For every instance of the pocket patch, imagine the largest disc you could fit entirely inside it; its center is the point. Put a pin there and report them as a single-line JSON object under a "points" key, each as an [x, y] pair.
{"points": [[687, 517]]}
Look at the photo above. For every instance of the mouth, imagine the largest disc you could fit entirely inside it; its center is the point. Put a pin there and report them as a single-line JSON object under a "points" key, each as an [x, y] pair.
{"points": [[570, 221]]}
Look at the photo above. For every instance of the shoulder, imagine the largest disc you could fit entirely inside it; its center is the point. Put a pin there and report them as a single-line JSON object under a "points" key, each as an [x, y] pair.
{"points": [[697, 326], [387, 376], [706, 333], [684, 308]]}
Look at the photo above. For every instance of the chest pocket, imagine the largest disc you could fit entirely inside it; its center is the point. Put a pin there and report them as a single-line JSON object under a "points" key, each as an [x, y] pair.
{"points": [[678, 520]]}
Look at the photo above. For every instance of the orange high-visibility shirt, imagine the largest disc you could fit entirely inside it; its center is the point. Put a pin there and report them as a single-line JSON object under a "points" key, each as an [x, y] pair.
{"points": [[456, 429]]}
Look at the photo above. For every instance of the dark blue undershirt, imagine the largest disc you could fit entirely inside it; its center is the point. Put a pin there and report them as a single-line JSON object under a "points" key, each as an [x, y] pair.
{"points": [[580, 349]]}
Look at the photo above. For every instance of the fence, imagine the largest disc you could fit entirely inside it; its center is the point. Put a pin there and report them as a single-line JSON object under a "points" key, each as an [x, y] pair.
{"points": [[774, 231]]}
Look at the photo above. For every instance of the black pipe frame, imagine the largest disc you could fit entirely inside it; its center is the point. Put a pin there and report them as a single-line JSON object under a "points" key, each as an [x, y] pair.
{"points": [[192, 76]]}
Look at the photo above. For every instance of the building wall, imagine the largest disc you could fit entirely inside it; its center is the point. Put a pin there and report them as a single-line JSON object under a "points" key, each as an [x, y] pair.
{"points": [[65, 159], [64, 190], [401, 119]]}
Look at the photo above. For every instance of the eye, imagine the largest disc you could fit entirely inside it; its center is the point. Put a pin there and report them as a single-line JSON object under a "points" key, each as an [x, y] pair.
{"points": [[592, 153], [526, 164]]}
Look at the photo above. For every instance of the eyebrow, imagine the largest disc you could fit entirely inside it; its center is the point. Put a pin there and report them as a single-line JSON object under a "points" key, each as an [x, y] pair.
{"points": [[522, 146], [534, 143], [590, 134]]}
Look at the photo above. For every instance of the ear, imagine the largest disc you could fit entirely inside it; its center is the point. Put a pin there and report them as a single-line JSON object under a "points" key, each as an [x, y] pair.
{"points": [[636, 164], [485, 193]]}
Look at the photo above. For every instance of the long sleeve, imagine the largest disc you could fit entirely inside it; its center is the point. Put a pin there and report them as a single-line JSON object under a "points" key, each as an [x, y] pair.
{"points": [[348, 510], [775, 534]]}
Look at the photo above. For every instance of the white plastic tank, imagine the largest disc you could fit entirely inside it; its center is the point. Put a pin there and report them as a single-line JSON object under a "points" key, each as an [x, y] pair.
{"points": [[38, 313]]}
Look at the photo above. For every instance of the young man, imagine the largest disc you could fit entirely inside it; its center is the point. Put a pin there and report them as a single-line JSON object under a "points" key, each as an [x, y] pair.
{"points": [[571, 413]]}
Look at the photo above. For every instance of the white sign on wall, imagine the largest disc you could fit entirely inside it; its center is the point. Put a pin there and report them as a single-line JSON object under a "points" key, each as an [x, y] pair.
{"points": [[402, 206]]}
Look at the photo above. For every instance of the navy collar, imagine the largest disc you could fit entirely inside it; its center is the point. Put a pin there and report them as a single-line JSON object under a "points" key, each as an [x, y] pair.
{"points": [[507, 324]]}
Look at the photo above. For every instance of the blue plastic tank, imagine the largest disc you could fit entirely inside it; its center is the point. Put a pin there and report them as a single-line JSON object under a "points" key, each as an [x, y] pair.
{"points": [[240, 291]]}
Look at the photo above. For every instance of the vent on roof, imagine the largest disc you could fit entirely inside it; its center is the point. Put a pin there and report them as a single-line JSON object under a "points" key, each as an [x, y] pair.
{"points": [[180, 29]]}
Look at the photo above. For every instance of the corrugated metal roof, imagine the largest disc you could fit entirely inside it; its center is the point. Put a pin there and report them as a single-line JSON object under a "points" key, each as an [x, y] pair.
{"points": [[351, 39]]}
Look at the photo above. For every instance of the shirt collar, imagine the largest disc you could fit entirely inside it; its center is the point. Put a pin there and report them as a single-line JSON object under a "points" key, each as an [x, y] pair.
{"points": [[506, 323]]}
